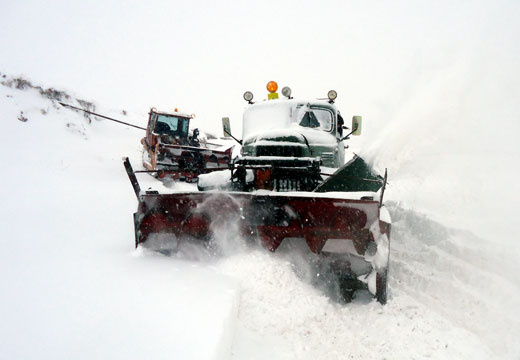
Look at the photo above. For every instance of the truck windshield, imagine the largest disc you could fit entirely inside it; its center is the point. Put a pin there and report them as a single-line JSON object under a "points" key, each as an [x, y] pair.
{"points": [[313, 117], [283, 114], [172, 125]]}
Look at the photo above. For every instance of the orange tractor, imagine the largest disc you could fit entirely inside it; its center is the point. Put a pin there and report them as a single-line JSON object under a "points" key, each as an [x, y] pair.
{"points": [[170, 150]]}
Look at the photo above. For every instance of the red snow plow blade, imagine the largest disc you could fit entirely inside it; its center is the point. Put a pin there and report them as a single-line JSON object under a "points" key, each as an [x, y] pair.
{"points": [[347, 230], [271, 217]]}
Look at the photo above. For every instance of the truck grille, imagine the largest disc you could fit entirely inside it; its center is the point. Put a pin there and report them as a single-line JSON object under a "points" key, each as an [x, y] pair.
{"points": [[283, 185]]}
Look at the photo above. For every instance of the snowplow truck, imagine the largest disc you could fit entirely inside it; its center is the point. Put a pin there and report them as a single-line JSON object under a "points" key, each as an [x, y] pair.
{"points": [[171, 151], [290, 182]]}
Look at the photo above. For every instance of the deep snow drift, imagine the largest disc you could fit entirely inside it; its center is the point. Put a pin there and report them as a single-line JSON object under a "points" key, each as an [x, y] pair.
{"points": [[74, 287]]}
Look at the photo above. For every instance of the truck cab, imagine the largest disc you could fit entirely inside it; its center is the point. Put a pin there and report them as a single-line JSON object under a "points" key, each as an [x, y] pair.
{"points": [[294, 128], [288, 144]]}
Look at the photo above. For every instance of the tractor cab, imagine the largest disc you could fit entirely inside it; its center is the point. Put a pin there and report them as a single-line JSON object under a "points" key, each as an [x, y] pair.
{"points": [[167, 128]]}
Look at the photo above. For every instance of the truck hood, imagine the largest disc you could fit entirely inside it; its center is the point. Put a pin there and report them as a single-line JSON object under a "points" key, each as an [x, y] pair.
{"points": [[291, 136]]}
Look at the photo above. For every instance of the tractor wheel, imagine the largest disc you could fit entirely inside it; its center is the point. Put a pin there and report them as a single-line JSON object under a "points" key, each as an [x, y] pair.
{"points": [[186, 161], [382, 286]]}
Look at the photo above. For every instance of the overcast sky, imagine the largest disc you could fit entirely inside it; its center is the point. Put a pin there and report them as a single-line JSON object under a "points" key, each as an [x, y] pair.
{"points": [[428, 77], [201, 56]]}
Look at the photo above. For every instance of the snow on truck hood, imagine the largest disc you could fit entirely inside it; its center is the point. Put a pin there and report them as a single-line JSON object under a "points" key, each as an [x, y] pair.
{"points": [[275, 117], [291, 135]]}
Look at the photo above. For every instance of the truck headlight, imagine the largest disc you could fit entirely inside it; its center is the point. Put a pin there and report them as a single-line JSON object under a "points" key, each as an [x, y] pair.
{"points": [[332, 95], [248, 96], [286, 91]]}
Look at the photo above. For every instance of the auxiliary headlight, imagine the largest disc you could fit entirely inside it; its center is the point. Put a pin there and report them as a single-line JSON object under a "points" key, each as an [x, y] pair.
{"points": [[286, 91], [248, 96], [332, 95]]}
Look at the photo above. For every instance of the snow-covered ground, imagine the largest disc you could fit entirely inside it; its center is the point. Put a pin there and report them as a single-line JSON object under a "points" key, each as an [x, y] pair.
{"points": [[73, 286]]}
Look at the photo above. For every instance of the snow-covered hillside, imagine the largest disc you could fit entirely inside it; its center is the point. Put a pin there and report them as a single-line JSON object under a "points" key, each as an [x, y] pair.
{"points": [[73, 286]]}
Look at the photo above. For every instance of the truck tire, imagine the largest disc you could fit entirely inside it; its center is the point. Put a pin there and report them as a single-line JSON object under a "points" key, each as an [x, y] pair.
{"points": [[347, 288], [382, 286]]}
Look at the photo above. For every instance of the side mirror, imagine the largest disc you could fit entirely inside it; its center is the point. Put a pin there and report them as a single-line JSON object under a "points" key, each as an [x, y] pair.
{"points": [[356, 125], [226, 126], [356, 128]]}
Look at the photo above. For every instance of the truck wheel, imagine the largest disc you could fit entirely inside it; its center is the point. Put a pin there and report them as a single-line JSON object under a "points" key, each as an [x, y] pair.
{"points": [[382, 286], [347, 288]]}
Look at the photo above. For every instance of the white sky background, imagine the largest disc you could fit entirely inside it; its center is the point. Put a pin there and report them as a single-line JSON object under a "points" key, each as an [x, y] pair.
{"points": [[437, 82], [202, 55]]}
